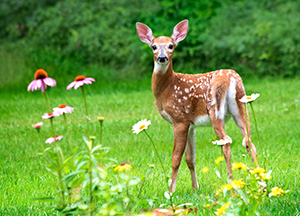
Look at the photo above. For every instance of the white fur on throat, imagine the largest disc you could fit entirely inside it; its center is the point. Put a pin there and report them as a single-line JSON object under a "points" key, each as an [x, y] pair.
{"points": [[160, 68]]}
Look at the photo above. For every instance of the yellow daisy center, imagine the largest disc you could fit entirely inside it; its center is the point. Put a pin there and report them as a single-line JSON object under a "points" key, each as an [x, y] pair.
{"points": [[79, 78], [249, 97], [142, 127], [40, 74]]}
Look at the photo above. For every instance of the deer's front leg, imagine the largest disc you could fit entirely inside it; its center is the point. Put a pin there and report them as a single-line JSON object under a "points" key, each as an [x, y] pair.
{"points": [[190, 156], [180, 140]]}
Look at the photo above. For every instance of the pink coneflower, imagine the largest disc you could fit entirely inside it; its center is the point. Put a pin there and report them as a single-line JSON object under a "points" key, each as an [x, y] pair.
{"points": [[50, 115], [52, 140], [61, 109], [80, 81], [41, 81], [37, 126]]}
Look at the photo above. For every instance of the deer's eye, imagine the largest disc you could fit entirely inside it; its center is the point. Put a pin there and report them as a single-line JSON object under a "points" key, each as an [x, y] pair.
{"points": [[171, 46], [154, 47]]}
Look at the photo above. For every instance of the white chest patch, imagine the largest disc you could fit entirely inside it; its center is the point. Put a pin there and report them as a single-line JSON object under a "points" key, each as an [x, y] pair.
{"points": [[202, 121], [160, 68], [166, 116]]}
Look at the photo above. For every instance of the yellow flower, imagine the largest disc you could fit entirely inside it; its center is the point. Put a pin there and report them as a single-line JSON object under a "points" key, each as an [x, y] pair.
{"points": [[100, 118], [122, 167], [205, 169], [238, 183], [248, 200], [141, 125], [277, 191], [219, 159], [220, 211], [207, 205], [239, 165], [227, 204], [257, 170], [265, 176], [227, 186]]}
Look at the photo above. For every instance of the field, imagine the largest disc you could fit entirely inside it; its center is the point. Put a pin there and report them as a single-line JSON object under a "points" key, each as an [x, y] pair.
{"points": [[22, 168]]}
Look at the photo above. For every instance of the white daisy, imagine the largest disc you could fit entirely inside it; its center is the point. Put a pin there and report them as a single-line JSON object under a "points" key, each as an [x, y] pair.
{"points": [[249, 99], [141, 125], [223, 141]]}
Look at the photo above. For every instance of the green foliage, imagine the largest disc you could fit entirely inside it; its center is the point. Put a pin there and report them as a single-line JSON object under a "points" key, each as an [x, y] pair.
{"points": [[22, 168], [253, 37]]}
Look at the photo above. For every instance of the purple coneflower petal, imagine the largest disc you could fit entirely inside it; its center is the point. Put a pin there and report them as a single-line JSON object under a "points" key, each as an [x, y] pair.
{"points": [[43, 87], [30, 86], [50, 140], [89, 79], [70, 86], [78, 84], [49, 81], [38, 84], [86, 82]]}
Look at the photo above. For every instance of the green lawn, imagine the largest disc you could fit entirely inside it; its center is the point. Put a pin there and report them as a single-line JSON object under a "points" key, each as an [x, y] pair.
{"points": [[22, 168]]}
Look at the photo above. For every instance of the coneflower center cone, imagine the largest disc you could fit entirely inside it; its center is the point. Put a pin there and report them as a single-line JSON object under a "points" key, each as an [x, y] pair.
{"points": [[62, 106], [40, 74], [79, 78]]}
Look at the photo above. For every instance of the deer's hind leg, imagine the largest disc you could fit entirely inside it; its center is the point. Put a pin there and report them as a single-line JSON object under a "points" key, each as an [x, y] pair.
{"points": [[237, 110], [217, 111]]}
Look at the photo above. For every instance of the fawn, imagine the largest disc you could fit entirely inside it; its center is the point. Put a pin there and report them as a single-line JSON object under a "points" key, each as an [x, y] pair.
{"points": [[189, 101]]}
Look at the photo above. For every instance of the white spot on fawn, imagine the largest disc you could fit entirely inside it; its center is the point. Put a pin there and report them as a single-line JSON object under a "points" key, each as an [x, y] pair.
{"points": [[185, 98], [186, 90]]}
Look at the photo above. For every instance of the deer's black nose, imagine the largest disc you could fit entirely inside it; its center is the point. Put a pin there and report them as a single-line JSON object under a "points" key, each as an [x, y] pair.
{"points": [[162, 58]]}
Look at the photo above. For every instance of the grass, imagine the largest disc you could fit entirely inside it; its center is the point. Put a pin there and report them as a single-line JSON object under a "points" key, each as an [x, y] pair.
{"points": [[22, 168]]}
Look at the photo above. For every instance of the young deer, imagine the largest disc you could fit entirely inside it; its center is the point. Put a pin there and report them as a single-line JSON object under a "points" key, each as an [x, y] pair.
{"points": [[190, 101]]}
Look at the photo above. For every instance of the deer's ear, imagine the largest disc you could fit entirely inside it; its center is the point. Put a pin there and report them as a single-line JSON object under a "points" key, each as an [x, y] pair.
{"points": [[144, 32], [180, 31]]}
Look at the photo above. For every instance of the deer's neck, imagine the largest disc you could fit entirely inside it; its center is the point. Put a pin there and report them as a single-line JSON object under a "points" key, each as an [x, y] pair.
{"points": [[162, 78]]}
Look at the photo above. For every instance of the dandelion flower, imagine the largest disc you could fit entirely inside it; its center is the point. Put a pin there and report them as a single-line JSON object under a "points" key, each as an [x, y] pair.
{"points": [[219, 159], [227, 186], [122, 167], [41, 81], [238, 183], [141, 125], [239, 165], [63, 108], [100, 118], [80, 81], [276, 191], [249, 99], [205, 169], [257, 170], [207, 205], [265, 176], [52, 140], [50, 115]]}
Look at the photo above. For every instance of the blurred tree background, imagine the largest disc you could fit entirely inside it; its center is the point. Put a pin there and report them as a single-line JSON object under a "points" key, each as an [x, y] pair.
{"points": [[98, 37]]}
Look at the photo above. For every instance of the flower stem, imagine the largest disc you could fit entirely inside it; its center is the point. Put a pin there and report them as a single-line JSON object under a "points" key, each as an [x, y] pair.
{"points": [[101, 122], [91, 177], [58, 165], [255, 122], [47, 102], [163, 168], [86, 112], [67, 130], [247, 132], [42, 144]]}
